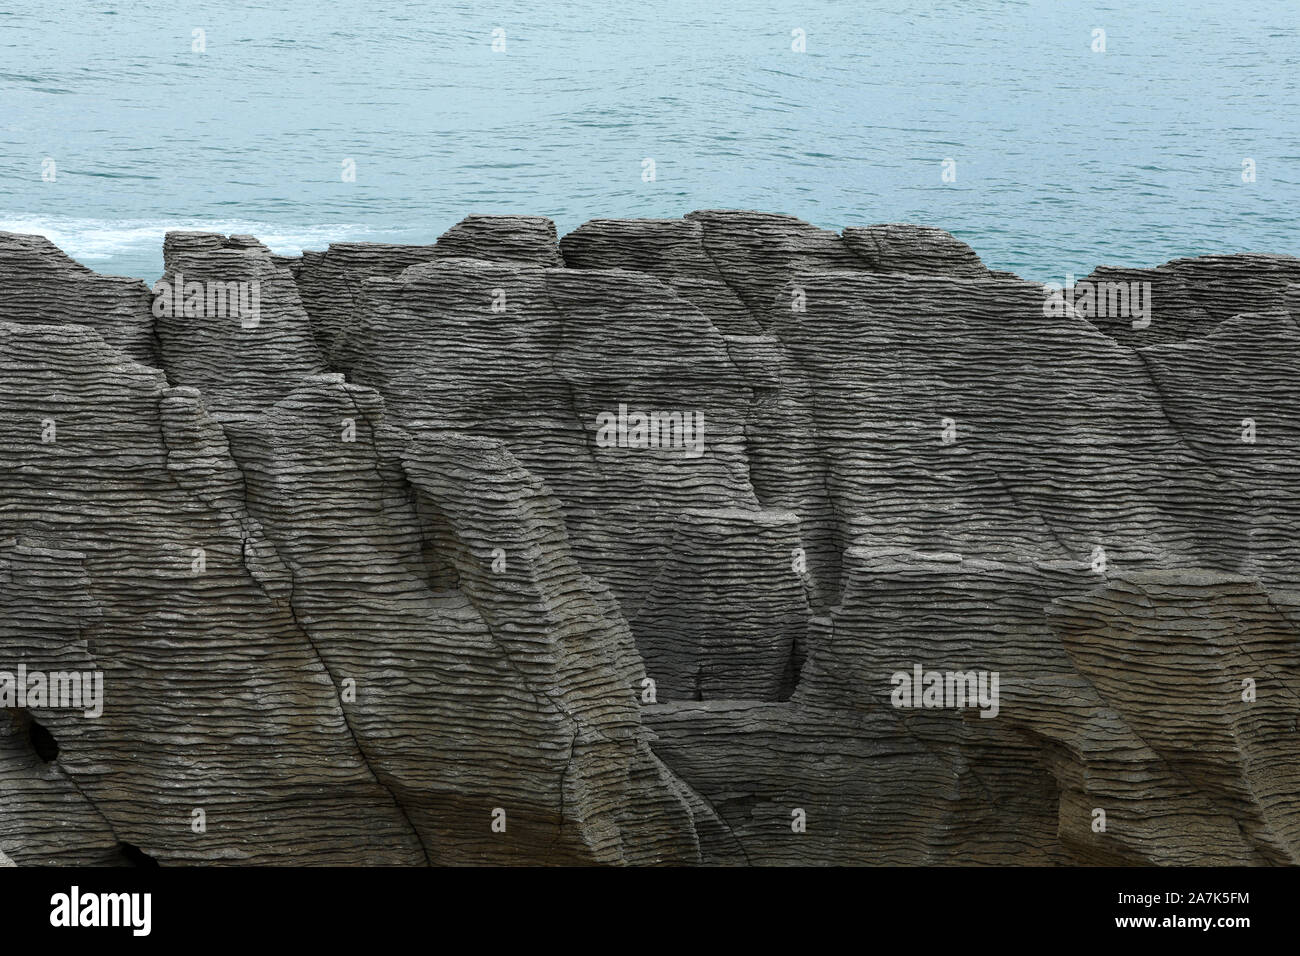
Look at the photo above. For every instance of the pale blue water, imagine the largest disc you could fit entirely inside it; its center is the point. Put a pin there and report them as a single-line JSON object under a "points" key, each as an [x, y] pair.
{"points": [[1065, 158]]}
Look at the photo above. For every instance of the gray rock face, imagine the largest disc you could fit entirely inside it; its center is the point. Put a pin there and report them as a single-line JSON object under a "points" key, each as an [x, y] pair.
{"points": [[235, 329], [1186, 298], [671, 250], [717, 540], [523, 239], [329, 282], [918, 250], [43, 286]]}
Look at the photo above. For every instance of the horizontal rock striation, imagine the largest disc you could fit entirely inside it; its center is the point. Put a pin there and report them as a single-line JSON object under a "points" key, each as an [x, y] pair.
{"points": [[718, 540]]}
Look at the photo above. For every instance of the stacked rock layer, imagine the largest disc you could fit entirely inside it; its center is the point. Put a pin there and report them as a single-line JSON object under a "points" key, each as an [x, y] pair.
{"points": [[716, 540]]}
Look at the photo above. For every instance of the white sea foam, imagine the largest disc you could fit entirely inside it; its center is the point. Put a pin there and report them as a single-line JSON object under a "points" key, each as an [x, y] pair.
{"points": [[101, 240]]}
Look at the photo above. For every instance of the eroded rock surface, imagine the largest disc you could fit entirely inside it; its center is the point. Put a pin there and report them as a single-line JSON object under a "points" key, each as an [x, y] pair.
{"points": [[725, 539]]}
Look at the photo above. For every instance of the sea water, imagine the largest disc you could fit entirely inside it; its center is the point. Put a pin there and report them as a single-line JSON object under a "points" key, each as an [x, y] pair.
{"points": [[1052, 135]]}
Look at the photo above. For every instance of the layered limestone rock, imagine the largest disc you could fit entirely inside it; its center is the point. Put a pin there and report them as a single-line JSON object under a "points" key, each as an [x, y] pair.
{"points": [[524, 239], [329, 282], [1203, 670], [43, 286], [1062, 426], [919, 250], [1185, 298], [283, 651], [208, 683], [671, 250], [1140, 307], [726, 608], [230, 322], [1232, 398], [500, 693], [451, 343], [724, 539]]}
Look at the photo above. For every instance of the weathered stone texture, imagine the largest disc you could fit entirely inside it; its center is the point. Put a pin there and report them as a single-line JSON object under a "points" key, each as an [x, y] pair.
{"points": [[386, 573]]}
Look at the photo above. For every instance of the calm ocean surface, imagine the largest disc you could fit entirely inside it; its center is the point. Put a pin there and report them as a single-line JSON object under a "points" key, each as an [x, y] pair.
{"points": [[1065, 157]]}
